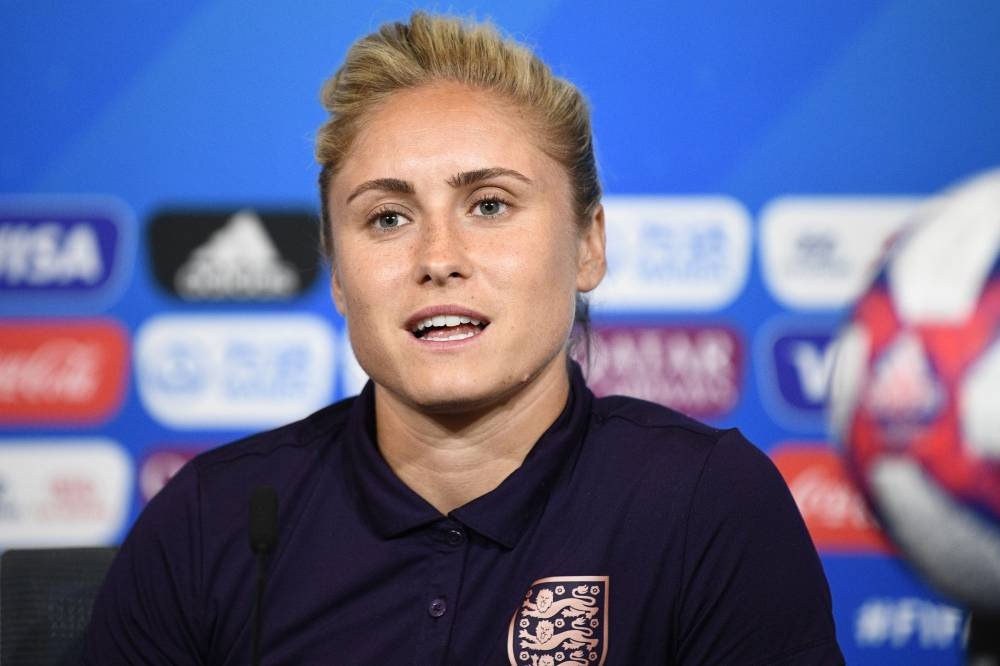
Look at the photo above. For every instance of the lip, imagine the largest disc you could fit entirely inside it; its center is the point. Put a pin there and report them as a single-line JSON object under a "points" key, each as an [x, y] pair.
{"points": [[441, 311]]}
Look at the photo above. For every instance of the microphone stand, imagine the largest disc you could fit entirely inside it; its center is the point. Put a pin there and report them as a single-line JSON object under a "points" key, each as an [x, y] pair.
{"points": [[263, 535]]}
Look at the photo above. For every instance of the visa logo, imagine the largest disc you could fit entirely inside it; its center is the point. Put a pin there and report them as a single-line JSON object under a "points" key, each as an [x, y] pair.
{"points": [[55, 253], [803, 364]]}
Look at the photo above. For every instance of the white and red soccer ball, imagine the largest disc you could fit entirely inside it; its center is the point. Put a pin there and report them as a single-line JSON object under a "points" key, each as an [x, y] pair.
{"points": [[915, 394]]}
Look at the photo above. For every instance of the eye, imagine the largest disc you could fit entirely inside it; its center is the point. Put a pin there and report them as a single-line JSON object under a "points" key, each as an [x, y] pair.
{"points": [[387, 220], [490, 207]]}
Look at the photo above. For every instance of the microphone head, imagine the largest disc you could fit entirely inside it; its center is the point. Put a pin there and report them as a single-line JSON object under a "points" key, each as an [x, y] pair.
{"points": [[263, 519]]}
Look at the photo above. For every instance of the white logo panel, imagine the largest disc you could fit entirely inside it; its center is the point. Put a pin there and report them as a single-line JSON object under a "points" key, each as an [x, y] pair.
{"points": [[234, 371], [674, 253], [352, 375], [62, 492], [822, 252]]}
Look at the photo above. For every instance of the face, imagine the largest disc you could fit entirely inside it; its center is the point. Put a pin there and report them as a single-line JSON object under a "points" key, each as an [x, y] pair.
{"points": [[457, 257]]}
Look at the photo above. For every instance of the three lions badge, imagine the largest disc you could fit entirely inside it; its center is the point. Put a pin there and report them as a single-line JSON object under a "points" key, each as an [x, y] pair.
{"points": [[562, 622]]}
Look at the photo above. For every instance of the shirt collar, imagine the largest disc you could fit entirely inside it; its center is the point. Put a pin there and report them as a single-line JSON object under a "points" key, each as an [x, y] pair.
{"points": [[502, 514]]}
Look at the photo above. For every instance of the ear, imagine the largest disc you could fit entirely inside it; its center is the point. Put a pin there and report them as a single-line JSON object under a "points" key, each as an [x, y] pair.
{"points": [[591, 263], [337, 290]]}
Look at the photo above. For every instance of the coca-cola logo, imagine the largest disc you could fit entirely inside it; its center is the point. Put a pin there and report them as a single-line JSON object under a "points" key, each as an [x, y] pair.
{"points": [[61, 372], [831, 505], [823, 496]]}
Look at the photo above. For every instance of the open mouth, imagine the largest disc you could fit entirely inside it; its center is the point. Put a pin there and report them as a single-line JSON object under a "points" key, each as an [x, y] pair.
{"points": [[446, 328]]}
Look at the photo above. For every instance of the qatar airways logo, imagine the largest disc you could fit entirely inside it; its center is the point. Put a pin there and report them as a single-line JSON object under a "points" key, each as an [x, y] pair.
{"points": [[674, 253], [820, 253], [695, 370], [833, 508], [63, 492], [61, 373], [234, 371], [61, 252]]}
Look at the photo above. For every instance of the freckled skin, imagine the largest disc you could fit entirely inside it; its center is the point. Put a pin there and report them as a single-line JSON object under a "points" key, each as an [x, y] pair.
{"points": [[396, 253]]}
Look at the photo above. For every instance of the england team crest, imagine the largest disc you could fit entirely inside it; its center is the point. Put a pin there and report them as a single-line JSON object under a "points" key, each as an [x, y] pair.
{"points": [[563, 621]]}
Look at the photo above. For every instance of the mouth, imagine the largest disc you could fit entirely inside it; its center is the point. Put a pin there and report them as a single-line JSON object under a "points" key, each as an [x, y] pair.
{"points": [[447, 328]]}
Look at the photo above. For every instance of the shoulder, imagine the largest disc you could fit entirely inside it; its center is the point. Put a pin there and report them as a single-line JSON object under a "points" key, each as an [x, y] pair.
{"points": [[644, 414], [702, 480], [189, 544], [680, 471], [659, 436], [266, 452], [750, 584], [211, 493], [294, 459]]}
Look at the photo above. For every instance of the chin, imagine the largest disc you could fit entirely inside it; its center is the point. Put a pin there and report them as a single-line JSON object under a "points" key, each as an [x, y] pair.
{"points": [[445, 394]]}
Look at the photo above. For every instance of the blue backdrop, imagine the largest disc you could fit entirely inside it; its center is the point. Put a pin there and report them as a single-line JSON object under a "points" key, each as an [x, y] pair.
{"points": [[756, 156]]}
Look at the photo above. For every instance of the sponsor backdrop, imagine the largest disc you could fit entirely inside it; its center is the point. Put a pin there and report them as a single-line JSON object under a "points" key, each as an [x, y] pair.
{"points": [[159, 285]]}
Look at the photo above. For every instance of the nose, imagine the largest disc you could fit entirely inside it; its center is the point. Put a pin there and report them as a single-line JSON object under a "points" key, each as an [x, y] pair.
{"points": [[442, 255]]}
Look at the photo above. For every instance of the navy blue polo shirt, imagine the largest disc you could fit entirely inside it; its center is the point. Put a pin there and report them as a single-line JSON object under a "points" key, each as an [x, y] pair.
{"points": [[630, 535]]}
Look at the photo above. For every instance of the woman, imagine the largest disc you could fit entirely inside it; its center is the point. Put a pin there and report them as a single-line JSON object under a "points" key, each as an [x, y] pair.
{"points": [[475, 504]]}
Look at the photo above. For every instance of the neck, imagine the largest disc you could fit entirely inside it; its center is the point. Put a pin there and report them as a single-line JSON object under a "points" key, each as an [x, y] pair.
{"points": [[451, 459]]}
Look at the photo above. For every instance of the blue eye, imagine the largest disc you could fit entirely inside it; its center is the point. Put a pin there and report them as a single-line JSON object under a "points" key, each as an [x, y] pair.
{"points": [[490, 207], [387, 220]]}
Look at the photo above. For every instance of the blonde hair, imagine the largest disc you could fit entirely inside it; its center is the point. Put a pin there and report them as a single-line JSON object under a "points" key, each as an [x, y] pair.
{"points": [[436, 48]]}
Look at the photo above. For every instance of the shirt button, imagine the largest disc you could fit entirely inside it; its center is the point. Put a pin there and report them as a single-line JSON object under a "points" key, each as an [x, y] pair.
{"points": [[437, 607], [455, 537]]}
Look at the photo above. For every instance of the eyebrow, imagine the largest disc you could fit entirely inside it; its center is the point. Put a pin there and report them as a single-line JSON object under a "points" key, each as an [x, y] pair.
{"points": [[471, 177], [384, 184], [463, 179]]}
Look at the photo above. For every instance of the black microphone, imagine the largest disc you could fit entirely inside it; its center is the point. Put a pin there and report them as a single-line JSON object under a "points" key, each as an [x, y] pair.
{"points": [[263, 535]]}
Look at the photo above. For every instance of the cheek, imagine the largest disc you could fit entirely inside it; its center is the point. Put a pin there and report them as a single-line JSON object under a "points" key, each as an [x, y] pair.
{"points": [[542, 269], [367, 277]]}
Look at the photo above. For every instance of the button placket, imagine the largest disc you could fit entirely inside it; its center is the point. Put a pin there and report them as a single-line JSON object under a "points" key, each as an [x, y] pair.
{"points": [[447, 570]]}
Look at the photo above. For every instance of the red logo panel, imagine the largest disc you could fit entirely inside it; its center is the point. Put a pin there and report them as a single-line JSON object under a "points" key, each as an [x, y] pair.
{"points": [[833, 508], [61, 373]]}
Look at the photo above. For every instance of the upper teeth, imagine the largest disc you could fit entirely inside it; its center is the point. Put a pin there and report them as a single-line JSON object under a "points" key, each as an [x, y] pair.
{"points": [[445, 320]]}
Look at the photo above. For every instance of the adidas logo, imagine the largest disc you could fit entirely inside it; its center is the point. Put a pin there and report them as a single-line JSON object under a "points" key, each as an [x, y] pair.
{"points": [[245, 255], [238, 260], [905, 393]]}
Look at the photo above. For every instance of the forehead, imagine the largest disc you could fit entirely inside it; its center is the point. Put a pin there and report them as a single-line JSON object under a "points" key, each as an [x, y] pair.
{"points": [[448, 102], [448, 126]]}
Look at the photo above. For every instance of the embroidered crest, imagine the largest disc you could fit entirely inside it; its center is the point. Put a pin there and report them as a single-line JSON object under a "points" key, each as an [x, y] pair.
{"points": [[562, 621]]}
